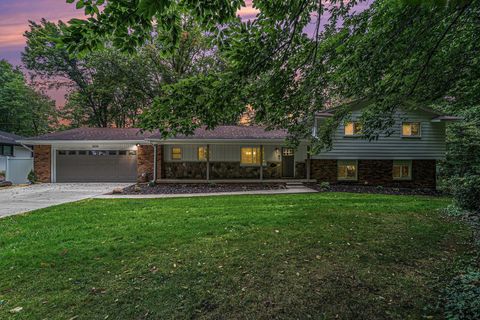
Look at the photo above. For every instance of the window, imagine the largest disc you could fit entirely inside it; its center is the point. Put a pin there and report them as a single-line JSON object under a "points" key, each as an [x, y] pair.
{"points": [[132, 152], [72, 152], [97, 153], [122, 152], [288, 152], [347, 169], [176, 153], [402, 170], [202, 153], [353, 129], [82, 152], [61, 152], [250, 155], [6, 150], [411, 129], [112, 153]]}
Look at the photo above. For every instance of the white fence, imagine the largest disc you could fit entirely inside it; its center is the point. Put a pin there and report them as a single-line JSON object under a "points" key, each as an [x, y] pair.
{"points": [[17, 169]]}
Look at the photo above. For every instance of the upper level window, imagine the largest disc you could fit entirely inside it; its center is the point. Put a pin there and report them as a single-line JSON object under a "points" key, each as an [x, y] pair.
{"points": [[411, 129], [176, 153], [347, 169], [402, 170], [202, 153], [353, 128], [6, 150], [250, 155]]}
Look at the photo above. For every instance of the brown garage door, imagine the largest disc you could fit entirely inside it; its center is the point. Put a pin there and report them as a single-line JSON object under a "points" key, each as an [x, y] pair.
{"points": [[96, 165]]}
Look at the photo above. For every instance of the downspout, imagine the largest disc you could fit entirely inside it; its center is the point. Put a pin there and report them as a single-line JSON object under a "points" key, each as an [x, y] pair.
{"points": [[26, 147]]}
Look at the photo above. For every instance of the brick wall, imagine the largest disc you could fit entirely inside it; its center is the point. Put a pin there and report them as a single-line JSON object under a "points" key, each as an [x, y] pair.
{"points": [[42, 163], [145, 162], [377, 172]]}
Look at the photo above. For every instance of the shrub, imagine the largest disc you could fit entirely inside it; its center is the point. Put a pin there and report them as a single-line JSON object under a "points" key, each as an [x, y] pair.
{"points": [[453, 210], [324, 186], [32, 177], [466, 192], [463, 297]]}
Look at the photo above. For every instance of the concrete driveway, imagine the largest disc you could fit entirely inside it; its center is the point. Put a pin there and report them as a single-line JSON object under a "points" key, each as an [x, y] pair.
{"points": [[37, 196]]}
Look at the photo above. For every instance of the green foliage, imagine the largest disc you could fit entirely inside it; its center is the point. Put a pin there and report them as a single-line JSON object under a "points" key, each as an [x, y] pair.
{"points": [[23, 110], [324, 185], [32, 177], [463, 297], [466, 191]]}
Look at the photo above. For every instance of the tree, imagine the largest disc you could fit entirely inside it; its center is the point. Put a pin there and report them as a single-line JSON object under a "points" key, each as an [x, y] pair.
{"points": [[23, 110]]}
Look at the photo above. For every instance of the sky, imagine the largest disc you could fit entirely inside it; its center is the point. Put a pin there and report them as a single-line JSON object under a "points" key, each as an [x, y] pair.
{"points": [[15, 14]]}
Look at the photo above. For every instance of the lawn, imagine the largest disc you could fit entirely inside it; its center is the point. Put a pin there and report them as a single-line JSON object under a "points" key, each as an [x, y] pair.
{"points": [[318, 256]]}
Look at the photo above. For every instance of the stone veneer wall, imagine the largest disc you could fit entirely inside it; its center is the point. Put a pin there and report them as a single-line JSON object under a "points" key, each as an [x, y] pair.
{"points": [[220, 170], [42, 163], [145, 162], [377, 172]]}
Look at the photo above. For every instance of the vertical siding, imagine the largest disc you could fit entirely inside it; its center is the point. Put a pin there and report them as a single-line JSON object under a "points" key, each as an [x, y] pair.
{"points": [[431, 144]]}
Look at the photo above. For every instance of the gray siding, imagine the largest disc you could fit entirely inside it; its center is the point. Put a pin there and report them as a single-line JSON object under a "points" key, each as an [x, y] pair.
{"points": [[431, 144], [230, 152]]}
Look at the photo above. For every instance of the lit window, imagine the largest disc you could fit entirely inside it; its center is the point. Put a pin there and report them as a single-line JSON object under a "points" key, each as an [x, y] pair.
{"points": [[411, 129], [347, 169], [250, 155], [176, 153], [353, 129], [202, 153], [402, 170]]}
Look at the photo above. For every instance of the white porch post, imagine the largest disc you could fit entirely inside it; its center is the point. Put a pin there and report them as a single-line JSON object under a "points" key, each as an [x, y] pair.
{"points": [[308, 163], [208, 162], [261, 162]]}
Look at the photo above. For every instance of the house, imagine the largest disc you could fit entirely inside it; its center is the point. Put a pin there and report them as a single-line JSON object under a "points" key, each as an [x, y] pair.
{"points": [[406, 158], [10, 147]]}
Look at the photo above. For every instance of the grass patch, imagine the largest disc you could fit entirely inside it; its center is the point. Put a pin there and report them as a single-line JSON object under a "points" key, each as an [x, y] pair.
{"points": [[238, 257]]}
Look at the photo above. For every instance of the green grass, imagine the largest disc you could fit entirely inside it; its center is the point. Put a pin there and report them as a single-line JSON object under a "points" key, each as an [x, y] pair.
{"points": [[240, 257]]}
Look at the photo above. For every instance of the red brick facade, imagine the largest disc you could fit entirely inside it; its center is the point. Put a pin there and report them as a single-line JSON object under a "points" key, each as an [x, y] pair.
{"points": [[145, 163], [42, 162], [378, 172]]}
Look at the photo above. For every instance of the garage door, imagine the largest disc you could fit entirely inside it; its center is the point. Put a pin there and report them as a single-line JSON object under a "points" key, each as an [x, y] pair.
{"points": [[96, 165]]}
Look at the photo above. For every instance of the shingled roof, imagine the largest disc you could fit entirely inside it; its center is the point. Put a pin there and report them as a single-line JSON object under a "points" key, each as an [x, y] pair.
{"points": [[9, 138], [135, 134], [229, 133], [93, 134]]}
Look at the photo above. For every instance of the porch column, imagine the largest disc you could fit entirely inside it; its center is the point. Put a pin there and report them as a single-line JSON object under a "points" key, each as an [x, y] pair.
{"points": [[208, 162], [308, 163], [261, 162], [155, 160]]}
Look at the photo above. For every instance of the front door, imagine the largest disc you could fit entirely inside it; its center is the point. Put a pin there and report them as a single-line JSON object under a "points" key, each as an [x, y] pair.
{"points": [[288, 162]]}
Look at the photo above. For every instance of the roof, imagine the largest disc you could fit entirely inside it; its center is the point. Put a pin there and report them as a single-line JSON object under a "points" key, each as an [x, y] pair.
{"points": [[9, 138], [136, 134], [229, 133], [93, 134]]}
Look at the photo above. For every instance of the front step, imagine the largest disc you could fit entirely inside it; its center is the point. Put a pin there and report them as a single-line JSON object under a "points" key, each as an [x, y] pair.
{"points": [[294, 185]]}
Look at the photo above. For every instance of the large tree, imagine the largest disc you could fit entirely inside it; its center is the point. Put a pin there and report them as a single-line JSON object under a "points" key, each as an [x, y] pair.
{"points": [[23, 110]]}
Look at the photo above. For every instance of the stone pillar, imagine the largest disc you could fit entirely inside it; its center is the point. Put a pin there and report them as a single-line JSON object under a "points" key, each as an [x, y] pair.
{"points": [[42, 163]]}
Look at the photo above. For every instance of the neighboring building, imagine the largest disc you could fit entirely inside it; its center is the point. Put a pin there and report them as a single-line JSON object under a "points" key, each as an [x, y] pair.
{"points": [[9, 147], [406, 158]]}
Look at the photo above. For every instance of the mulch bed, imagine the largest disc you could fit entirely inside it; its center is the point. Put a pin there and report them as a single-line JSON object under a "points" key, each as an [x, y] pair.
{"points": [[182, 188], [376, 190]]}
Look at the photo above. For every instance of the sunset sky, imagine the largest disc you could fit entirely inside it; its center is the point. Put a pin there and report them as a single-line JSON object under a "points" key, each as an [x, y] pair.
{"points": [[15, 14]]}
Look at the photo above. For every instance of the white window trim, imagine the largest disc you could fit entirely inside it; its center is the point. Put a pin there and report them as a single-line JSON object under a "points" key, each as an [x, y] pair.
{"points": [[251, 164], [411, 137], [410, 169], [354, 135], [345, 162], [171, 153]]}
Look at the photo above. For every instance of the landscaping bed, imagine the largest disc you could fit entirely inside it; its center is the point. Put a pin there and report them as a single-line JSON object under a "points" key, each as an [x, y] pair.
{"points": [[184, 188], [374, 189]]}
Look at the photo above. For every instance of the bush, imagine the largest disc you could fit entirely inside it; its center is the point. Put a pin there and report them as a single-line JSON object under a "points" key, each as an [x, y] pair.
{"points": [[325, 186], [466, 192], [453, 210], [32, 177], [463, 297]]}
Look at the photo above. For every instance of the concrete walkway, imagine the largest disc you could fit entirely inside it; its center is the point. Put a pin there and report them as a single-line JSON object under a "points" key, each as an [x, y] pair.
{"points": [[23, 199], [188, 195]]}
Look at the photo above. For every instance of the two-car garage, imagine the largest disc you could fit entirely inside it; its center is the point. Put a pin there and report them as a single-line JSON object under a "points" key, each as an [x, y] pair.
{"points": [[95, 165]]}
